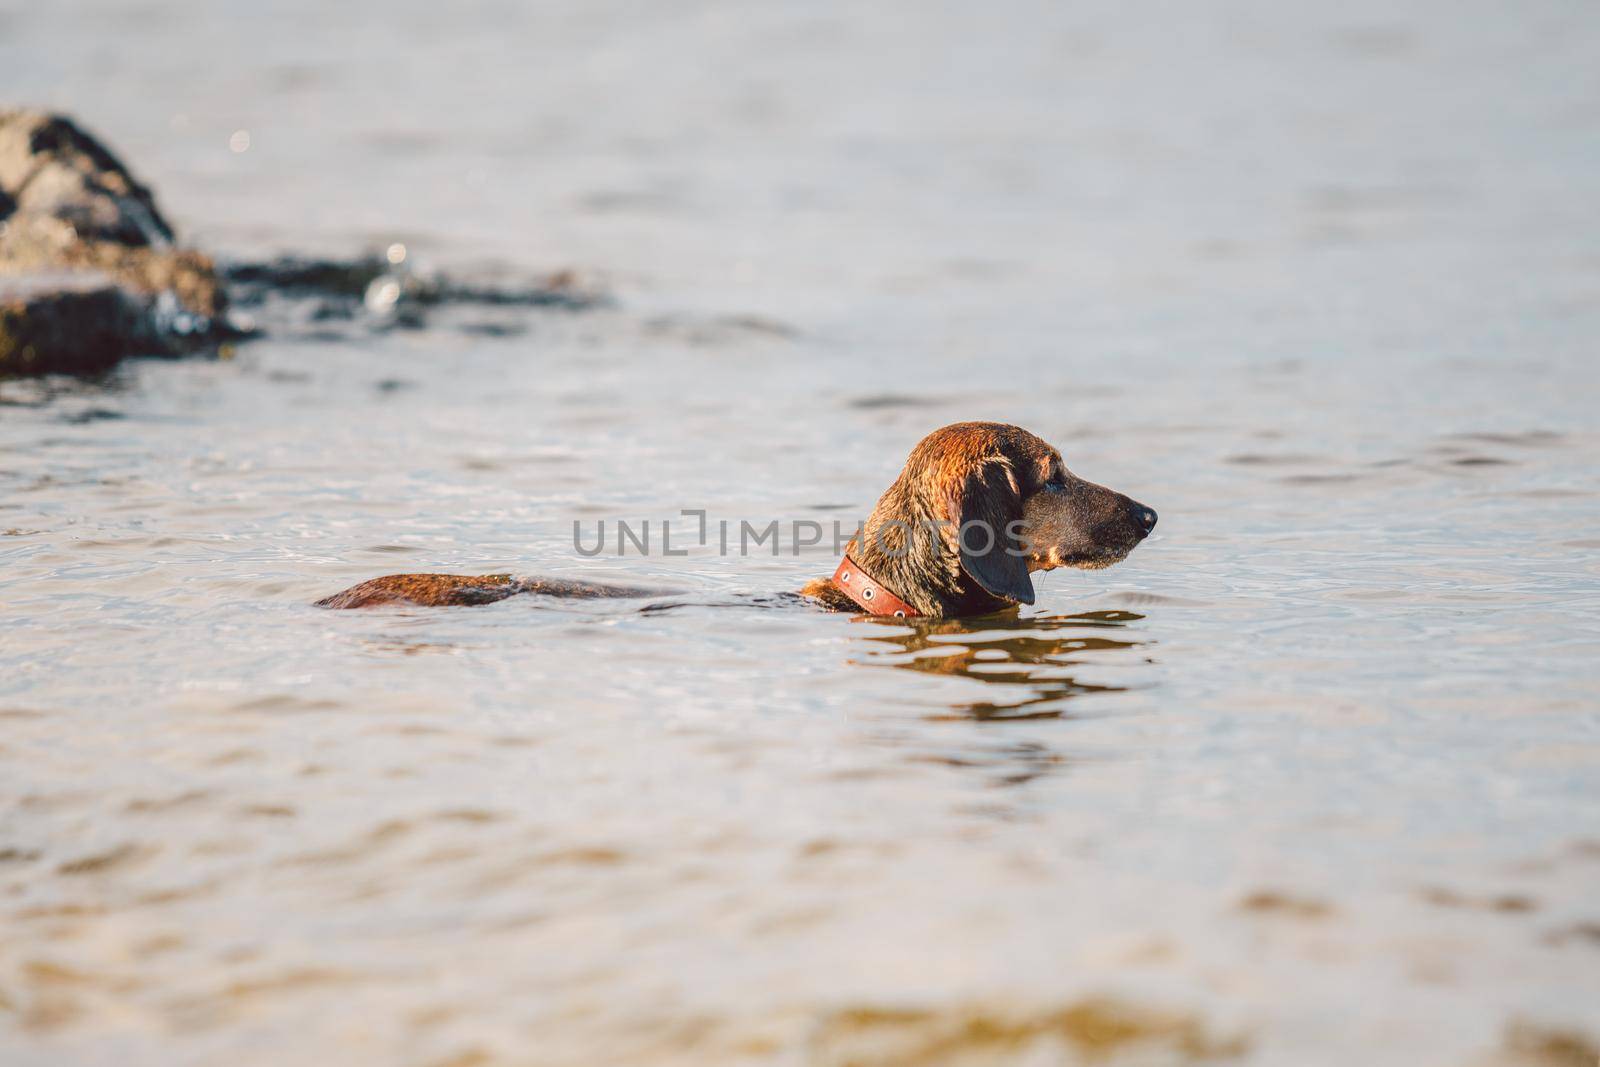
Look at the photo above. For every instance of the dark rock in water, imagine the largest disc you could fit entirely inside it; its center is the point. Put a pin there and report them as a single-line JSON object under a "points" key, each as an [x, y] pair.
{"points": [[78, 323], [89, 272], [301, 276], [79, 236], [375, 292], [364, 279], [48, 166], [33, 243]]}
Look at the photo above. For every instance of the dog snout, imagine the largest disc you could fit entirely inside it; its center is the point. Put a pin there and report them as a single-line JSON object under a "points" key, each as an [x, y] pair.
{"points": [[1144, 519]]}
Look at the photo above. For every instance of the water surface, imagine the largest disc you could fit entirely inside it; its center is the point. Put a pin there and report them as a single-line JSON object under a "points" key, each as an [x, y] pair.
{"points": [[1311, 778]]}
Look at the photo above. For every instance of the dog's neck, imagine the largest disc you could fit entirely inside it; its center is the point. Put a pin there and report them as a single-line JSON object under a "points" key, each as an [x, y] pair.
{"points": [[904, 548]]}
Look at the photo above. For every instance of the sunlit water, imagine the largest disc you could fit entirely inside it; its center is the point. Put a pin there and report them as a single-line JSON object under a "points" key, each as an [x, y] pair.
{"points": [[1310, 779]]}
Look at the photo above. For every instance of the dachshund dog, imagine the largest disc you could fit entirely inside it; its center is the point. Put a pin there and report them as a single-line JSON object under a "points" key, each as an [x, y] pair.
{"points": [[977, 509]]}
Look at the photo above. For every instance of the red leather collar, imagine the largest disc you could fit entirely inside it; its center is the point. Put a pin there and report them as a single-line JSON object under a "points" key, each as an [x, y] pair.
{"points": [[869, 595]]}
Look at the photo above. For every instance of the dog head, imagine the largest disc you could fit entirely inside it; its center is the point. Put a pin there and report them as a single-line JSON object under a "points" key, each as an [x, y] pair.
{"points": [[978, 508]]}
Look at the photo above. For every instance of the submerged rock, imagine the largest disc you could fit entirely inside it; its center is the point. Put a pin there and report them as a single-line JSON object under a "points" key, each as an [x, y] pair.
{"points": [[382, 284], [339, 298]]}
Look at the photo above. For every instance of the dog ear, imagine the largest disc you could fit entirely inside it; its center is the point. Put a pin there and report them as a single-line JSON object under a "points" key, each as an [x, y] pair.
{"points": [[983, 507]]}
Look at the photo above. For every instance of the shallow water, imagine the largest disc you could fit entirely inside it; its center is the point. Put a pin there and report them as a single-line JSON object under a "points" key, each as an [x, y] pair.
{"points": [[1311, 778]]}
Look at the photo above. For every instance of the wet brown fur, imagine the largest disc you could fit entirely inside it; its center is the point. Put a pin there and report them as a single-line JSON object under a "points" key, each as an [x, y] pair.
{"points": [[460, 590], [972, 472], [998, 475]]}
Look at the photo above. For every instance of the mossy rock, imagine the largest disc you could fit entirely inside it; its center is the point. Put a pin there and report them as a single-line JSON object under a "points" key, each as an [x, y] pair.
{"points": [[70, 324]]}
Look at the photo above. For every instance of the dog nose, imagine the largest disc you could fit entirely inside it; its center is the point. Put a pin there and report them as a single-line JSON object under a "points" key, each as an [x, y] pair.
{"points": [[1144, 519]]}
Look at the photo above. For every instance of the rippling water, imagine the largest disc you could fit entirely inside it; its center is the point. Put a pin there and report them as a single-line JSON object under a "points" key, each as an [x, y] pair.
{"points": [[1311, 779]]}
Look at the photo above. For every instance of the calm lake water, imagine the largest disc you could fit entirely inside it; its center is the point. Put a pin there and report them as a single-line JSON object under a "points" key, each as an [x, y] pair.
{"points": [[1312, 778]]}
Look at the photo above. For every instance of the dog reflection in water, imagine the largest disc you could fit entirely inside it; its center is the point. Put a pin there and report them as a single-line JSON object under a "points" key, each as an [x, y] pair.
{"points": [[1027, 663]]}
